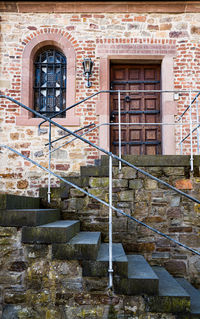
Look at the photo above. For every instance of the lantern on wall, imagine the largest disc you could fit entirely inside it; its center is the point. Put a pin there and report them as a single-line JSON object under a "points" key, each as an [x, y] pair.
{"points": [[87, 70]]}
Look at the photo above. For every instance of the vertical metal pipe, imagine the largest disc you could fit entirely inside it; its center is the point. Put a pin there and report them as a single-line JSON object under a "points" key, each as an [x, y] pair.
{"points": [[181, 145], [191, 140], [49, 176], [110, 269], [119, 128], [197, 111]]}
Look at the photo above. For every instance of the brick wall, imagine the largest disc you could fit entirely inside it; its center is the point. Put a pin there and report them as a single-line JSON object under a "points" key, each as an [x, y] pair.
{"points": [[85, 31]]}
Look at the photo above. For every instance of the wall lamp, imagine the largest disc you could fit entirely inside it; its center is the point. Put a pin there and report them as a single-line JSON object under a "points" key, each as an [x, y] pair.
{"points": [[87, 67]]}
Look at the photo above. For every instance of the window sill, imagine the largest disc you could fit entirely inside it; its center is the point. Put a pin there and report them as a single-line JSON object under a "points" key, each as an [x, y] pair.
{"points": [[68, 121]]}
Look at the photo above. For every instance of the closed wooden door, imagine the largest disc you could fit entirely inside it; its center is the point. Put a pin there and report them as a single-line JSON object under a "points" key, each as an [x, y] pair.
{"points": [[136, 107]]}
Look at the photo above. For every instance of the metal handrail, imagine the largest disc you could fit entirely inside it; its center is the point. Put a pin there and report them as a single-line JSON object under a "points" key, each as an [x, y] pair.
{"points": [[190, 134], [111, 155], [187, 108], [102, 150], [110, 206]]}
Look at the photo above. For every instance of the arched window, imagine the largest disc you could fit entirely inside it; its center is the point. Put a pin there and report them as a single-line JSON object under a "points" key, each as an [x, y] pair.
{"points": [[50, 82]]}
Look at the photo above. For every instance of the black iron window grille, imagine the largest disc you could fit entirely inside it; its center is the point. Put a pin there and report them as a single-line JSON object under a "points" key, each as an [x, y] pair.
{"points": [[50, 82]]}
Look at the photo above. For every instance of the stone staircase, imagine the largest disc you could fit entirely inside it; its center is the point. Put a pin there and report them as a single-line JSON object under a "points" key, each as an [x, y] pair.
{"points": [[132, 274]]}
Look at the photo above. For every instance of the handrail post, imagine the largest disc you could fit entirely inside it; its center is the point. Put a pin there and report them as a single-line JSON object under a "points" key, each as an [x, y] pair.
{"points": [[191, 141], [110, 269], [197, 111], [49, 166], [181, 145], [119, 128]]}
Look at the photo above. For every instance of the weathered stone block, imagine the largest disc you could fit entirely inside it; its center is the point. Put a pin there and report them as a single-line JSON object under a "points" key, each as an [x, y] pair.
{"points": [[37, 251], [192, 240], [135, 183], [150, 184], [76, 193], [176, 267], [10, 278], [126, 196], [175, 201], [174, 171], [142, 196], [14, 297], [98, 192], [120, 183], [99, 182]]}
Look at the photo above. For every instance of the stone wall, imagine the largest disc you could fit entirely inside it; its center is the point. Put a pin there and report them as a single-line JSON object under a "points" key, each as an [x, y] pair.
{"points": [[170, 25], [147, 201], [33, 286]]}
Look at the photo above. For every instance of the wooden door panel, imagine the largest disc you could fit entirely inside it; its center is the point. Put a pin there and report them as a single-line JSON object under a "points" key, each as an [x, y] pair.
{"points": [[136, 107], [135, 104], [135, 149]]}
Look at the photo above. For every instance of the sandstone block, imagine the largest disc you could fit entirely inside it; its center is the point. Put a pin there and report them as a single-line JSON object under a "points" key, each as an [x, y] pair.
{"points": [[22, 184], [184, 184], [128, 173], [195, 30], [126, 196], [135, 184], [99, 182], [150, 184], [76, 193], [120, 183], [14, 136], [173, 171], [176, 267], [165, 26]]}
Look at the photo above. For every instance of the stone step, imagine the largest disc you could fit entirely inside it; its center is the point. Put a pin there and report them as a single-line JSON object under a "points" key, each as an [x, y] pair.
{"points": [[84, 245], [141, 278], [28, 217], [172, 297], [99, 267], [194, 297], [8, 201], [96, 171], [154, 160], [57, 232]]}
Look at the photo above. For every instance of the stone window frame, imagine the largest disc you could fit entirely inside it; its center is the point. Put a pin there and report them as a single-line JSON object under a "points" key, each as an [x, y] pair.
{"points": [[168, 106], [27, 97]]}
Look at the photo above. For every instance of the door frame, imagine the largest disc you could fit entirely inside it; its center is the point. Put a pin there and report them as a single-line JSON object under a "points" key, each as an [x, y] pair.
{"points": [[168, 105]]}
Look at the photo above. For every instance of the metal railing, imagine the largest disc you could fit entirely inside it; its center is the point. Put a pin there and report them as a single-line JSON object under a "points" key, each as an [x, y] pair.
{"points": [[111, 207], [191, 130], [178, 123]]}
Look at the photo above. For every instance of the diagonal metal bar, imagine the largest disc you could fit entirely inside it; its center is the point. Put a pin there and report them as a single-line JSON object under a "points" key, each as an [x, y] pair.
{"points": [[80, 129], [101, 201]]}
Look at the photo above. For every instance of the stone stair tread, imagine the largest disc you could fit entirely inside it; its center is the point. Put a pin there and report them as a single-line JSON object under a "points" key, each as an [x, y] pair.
{"points": [[139, 268], [59, 231], [168, 286], [172, 298], [141, 278], [28, 217], [194, 295], [84, 245], [118, 253], [11, 201], [99, 267], [88, 238], [59, 224]]}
